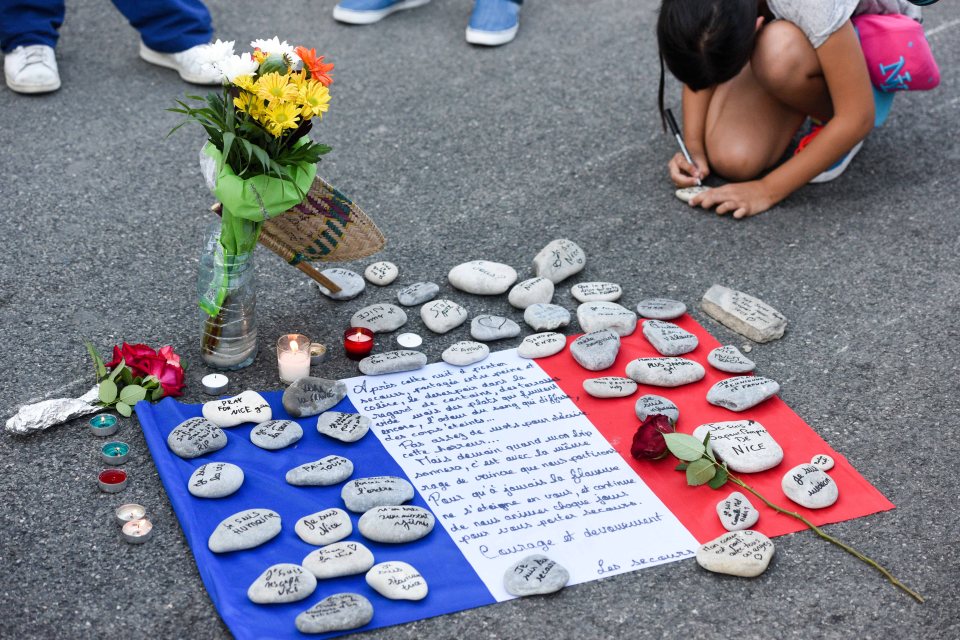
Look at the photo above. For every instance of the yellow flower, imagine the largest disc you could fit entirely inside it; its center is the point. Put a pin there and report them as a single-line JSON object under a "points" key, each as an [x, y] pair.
{"points": [[249, 103], [281, 116], [274, 87], [297, 78], [244, 82], [259, 56], [315, 99]]}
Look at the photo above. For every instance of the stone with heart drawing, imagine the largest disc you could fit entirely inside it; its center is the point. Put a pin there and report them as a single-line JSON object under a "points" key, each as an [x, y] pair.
{"points": [[345, 427], [482, 277], [736, 513], [397, 580], [283, 582], [669, 339], [249, 406], [745, 445], [487, 328], [742, 392], [738, 553]]}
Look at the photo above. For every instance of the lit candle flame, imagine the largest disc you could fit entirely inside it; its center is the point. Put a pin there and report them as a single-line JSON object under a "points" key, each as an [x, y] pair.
{"points": [[294, 346]]}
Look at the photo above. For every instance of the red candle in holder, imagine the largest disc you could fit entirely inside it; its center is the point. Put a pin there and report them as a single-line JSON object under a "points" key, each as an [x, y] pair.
{"points": [[358, 342], [112, 480]]}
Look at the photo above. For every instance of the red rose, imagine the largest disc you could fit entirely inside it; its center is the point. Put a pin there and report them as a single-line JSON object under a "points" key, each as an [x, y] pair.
{"points": [[648, 442], [171, 380], [163, 364]]}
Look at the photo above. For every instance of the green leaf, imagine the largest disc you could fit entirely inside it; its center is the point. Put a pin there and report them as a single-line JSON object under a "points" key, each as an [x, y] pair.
{"points": [[108, 391], [124, 409], [719, 479], [706, 440], [150, 383], [684, 446], [682, 466], [97, 360], [700, 472], [132, 394], [157, 394], [126, 376], [116, 370]]}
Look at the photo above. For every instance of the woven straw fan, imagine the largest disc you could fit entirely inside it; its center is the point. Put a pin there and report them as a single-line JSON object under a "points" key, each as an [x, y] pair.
{"points": [[326, 227]]}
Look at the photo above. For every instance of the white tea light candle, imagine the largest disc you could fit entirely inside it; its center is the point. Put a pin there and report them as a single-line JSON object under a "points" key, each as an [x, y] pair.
{"points": [[137, 531], [214, 384], [127, 512], [293, 357], [409, 340]]}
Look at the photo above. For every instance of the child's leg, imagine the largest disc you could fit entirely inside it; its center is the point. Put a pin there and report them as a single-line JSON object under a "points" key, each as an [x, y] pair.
{"points": [[752, 118]]}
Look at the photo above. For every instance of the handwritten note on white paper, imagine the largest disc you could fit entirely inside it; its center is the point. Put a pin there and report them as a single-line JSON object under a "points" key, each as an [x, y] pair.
{"points": [[510, 466]]}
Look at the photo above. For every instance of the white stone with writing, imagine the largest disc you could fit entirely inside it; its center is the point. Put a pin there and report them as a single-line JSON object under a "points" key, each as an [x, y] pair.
{"points": [[745, 445], [324, 527], [309, 396], [392, 361], [417, 293], [465, 353], [742, 392], [381, 273], [823, 461], [196, 437], [283, 582], [244, 530], [668, 338], [396, 524], [249, 406], [546, 317], [324, 472], [487, 328], [597, 350], [531, 291], [397, 580], [736, 513], [559, 260], [595, 316], [347, 558], [665, 372], [596, 291], [382, 317], [610, 387], [686, 193], [653, 405], [482, 278], [345, 427], [746, 554], [542, 345], [534, 575], [661, 308], [215, 480], [351, 283], [442, 316], [363, 494], [339, 612], [809, 486], [743, 313], [729, 359], [276, 434]]}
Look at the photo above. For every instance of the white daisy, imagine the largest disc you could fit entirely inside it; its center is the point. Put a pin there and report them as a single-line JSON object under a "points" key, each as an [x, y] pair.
{"points": [[237, 65], [274, 46], [217, 51]]}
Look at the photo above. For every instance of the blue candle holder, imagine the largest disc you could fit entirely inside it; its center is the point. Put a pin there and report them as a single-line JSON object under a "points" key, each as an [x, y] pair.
{"points": [[115, 453], [104, 425]]}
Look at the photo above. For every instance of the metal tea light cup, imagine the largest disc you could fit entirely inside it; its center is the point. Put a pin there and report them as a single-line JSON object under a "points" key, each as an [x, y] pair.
{"points": [[104, 425], [112, 480], [127, 512], [115, 453]]}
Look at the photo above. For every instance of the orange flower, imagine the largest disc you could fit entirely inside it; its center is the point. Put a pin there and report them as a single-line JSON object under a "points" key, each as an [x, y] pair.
{"points": [[318, 70]]}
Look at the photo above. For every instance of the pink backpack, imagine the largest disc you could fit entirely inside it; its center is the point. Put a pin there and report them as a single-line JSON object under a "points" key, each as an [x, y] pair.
{"points": [[897, 53]]}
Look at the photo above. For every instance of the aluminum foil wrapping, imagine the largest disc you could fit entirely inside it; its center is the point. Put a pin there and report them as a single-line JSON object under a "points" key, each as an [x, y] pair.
{"points": [[39, 416]]}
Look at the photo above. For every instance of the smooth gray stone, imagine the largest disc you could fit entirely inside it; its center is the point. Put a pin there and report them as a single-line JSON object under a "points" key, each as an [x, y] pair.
{"points": [[823, 461], [487, 328], [215, 480], [392, 362], [347, 558], [276, 434], [465, 353], [541, 345], [248, 406], [397, 581], [442, 316], [665, 372], [381, 273], [245, 530], [610, 387], [743, 313], [396, 524], [482, 278], [196, 437], [669, 339], [311, 396], [728, 358], [596, 291], [321, 473], [738, 553], [546, 317], [363, 494], [531, 291], [417, 293], [661, 308], [351, 283], [324, 527], [736, 513], [745, 445], [339, 612], [559, 260], [594, 316], [534, 575], [809, 486], [742, 392], [345, 427], [283, 582], [597, 350], [382, 317], [652, 405]]}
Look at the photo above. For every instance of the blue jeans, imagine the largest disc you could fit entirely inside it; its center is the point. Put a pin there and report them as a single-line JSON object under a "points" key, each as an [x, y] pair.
{"points": [[168, 26]]}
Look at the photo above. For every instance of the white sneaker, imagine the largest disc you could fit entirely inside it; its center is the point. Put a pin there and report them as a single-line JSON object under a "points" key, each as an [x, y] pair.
{"points": [[192, 64], [31, 69], [837, 169]]}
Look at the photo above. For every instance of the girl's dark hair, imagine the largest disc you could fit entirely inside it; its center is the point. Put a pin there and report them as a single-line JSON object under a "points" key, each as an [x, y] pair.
{"points": [[705, 42]]}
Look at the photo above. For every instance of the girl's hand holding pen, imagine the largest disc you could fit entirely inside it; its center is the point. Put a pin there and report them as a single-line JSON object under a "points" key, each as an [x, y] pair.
{"points": [[684, 174]]}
